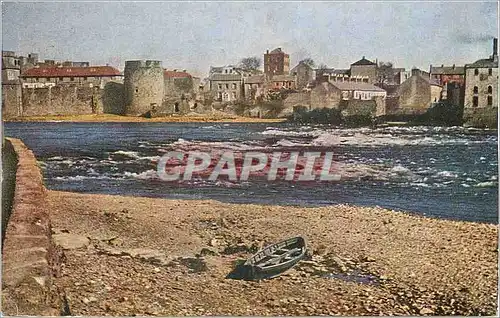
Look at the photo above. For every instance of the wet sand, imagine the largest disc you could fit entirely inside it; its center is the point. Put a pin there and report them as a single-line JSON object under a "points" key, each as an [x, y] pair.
{"points": [[144, 256]]}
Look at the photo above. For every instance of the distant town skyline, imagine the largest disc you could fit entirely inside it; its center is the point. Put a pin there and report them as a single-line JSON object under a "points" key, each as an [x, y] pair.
{"points": [[196, 35]]}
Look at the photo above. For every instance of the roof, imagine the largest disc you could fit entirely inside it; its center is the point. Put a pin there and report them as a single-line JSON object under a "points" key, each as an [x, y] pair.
{"points": [[71, 71], [301, 63], [176, 74], [276, 50], [356, 86], [489, 63], [225, 77], [363, 61], [255, 79], [448, 70], [282, 78]]}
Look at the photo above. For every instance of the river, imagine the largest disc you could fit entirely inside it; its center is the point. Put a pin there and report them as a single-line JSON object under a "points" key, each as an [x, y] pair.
{"points": [[439, 172]]}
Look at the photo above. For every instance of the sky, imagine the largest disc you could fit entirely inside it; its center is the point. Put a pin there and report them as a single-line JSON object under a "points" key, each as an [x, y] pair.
{"points": [[197, 35]]}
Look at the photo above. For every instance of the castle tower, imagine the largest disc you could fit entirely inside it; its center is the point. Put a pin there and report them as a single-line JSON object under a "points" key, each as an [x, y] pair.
{"points": [[143, 86]]}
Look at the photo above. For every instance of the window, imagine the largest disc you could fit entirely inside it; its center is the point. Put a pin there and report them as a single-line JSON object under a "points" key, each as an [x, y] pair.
{"points": [[234, 85], [47, 78], [60, 78], [72, 79], [490, 71], [234, 95], [474, 101], [176, 107], [476, 90], [84, 78], [490, 90], [490, 100], [220, 86], [227, 86], [137, 90], [476, 71]]}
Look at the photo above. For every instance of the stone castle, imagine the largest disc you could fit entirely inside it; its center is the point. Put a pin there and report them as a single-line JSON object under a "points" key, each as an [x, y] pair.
{"points": [[75, 88]]}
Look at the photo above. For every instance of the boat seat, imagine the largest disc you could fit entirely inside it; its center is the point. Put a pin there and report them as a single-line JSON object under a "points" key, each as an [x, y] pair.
{"points": [[276, 258]]}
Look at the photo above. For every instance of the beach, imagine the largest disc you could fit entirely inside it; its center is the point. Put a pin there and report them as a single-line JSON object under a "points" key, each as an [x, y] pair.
{"points": [[128, 255]]}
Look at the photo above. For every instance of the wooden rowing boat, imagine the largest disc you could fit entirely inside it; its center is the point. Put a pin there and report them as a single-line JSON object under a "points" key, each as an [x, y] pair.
{"points": [[272, 260]]}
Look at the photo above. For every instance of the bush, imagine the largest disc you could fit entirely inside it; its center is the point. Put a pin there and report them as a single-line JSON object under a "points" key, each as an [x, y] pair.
{"points": [[482, 118]]}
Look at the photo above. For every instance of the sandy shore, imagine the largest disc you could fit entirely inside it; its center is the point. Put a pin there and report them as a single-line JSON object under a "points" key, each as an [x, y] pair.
{"points": [[219, 117], [144, 256]]}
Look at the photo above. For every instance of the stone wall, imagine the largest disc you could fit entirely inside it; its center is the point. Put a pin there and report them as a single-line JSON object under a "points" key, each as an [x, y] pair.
{"points": [[144, 86], [297, 99], [414, 96], [64, 100], [11, 100], [325, 95], [60, 100], [29, 257]]}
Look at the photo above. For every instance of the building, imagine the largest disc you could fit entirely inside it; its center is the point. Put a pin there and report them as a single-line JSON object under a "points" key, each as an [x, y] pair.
{"points": [[226, 87], [255, 87], [305, 75], [452, 79], [279, 82], [364, 68], [11, 85], [416, 94], [358, 90], [276, 62], [481, 82], [92, 76]]}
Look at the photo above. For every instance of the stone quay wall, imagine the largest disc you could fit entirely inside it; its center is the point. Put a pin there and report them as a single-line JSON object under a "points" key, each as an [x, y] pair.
{"points": [[30, 259]]}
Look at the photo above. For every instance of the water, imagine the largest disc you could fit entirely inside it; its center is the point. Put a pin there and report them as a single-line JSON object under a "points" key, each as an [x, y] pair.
{"points": [[434, 171]]}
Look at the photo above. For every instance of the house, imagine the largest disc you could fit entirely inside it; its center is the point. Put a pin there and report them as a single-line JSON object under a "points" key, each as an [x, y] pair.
{"points": [[416, 94], [452, 79], [226, 87], [364, 68], [255, 87], [92, 76], [179, 83], [276, 62], [481, 83], [278, 82], [304, 73], [359, 90]]}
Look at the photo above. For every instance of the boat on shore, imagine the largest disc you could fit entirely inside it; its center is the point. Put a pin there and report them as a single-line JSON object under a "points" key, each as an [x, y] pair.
{"points": [[272, 260]]}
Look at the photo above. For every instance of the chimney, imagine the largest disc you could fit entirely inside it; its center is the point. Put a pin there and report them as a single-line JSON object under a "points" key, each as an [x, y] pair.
{"points": [[453, 66], [495, 46], [267, 52]]}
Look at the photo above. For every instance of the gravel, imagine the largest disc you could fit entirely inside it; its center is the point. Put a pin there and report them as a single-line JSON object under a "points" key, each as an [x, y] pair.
{"points": [[171, 257]]}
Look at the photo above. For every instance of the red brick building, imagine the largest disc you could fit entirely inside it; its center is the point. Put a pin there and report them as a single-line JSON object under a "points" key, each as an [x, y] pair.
{"points": [[276, 62]]}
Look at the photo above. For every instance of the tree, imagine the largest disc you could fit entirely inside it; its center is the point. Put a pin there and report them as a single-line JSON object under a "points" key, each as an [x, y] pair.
{"points": [[250, 63], [385, 73], [322, 68], [308, 61]]}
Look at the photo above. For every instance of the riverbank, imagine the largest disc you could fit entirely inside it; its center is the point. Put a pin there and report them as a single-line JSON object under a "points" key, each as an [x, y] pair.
{"points": [[110, 118], [144, 256]]}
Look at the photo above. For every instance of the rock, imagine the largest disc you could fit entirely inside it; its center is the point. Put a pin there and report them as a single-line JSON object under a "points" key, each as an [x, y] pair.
{"points": [[213, 242], [208, 251], [156, 270], [426, 311], [70, 241], [368, 259], [86, 301]]}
